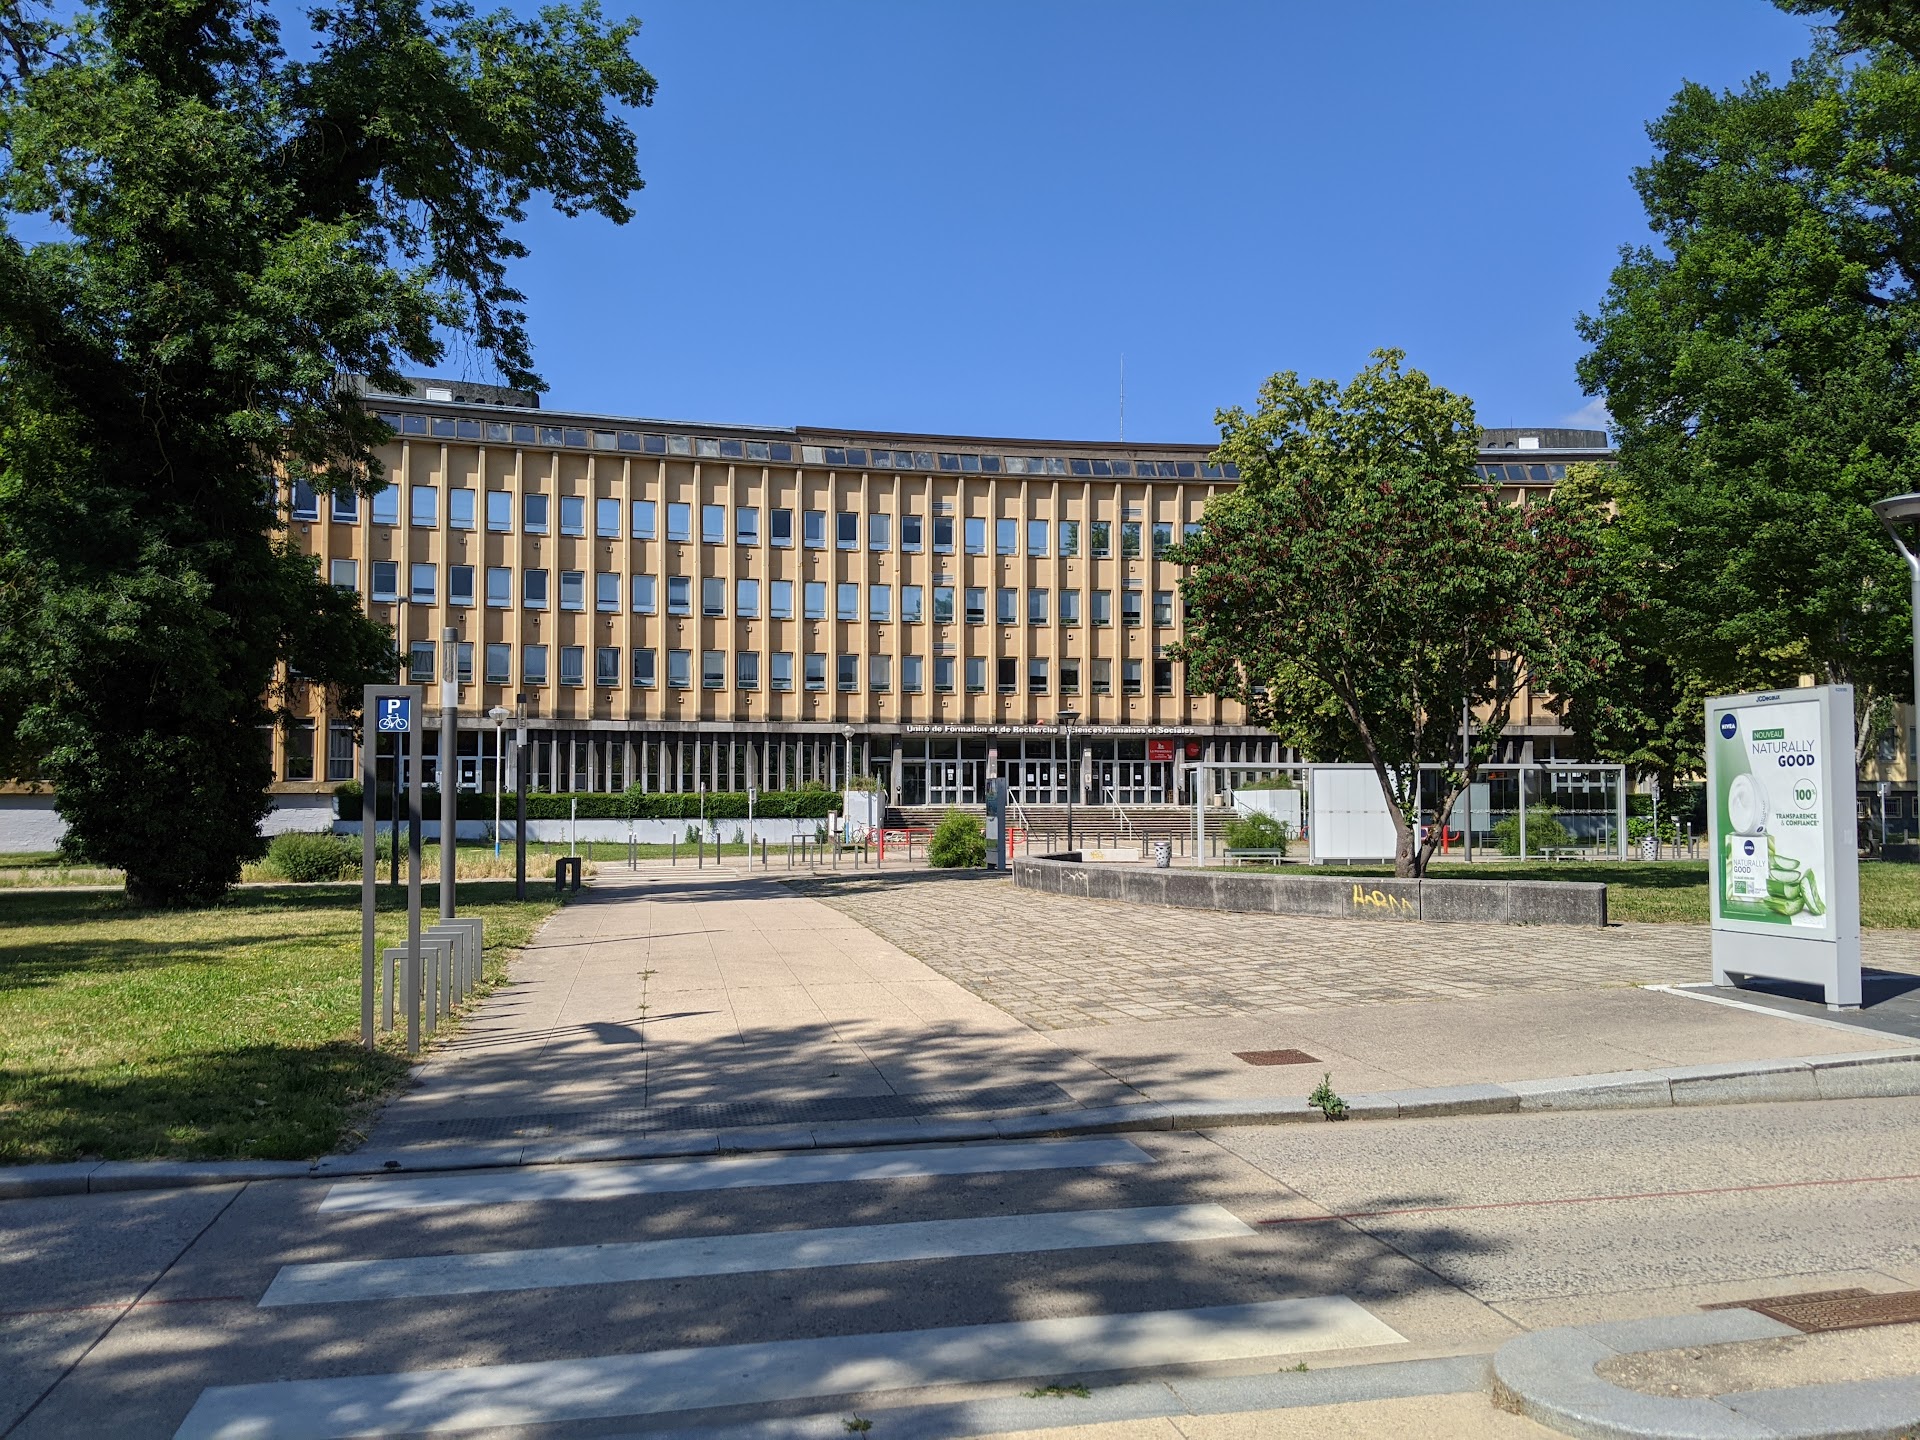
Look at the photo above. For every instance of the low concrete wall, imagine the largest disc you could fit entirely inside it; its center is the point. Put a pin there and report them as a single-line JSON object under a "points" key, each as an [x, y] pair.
{"points": [[1489, 902]]}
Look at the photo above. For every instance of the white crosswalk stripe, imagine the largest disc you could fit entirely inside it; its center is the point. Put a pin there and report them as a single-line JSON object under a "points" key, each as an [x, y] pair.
{"points": [[665, 1381], [605, 1182], [341, 1282]]}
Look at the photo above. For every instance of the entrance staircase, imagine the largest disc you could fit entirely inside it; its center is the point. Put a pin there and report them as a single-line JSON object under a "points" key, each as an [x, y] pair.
{"points": [[1109, 827]]}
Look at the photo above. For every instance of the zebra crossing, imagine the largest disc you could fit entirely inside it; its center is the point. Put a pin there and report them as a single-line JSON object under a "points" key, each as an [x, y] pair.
{"points": [[436, 1285]]}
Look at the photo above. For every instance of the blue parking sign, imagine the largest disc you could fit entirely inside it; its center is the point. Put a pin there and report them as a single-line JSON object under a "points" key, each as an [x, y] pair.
{"points": [[393, 714]]}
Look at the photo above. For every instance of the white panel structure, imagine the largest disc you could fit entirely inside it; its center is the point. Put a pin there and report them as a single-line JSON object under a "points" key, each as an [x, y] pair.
{"points": [[1350, 819]]}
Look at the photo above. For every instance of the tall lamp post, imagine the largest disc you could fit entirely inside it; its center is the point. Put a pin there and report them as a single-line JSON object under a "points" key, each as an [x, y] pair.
{"points": [[399, 617], [520, 796], [1894, 512], [1067, 717], [499, 714]]}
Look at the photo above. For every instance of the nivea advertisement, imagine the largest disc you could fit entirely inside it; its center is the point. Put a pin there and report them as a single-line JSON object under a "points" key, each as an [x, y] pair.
{"points": [[1771, 855]]}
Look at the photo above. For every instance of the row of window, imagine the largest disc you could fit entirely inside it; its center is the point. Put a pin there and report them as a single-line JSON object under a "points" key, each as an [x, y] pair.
{"points": [[536, 513], [643, 673], [451, 427], [643, 594]]}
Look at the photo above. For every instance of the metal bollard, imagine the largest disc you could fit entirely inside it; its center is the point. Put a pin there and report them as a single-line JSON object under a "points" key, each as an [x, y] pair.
{"points": [[673, 849]]}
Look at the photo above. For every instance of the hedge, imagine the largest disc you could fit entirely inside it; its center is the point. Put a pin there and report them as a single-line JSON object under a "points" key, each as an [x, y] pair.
{"points": [[626, 805]]}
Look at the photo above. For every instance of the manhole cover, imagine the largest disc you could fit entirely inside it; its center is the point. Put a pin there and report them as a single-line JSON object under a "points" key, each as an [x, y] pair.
{"points": [[1822, 1310], [1275, 1057]]}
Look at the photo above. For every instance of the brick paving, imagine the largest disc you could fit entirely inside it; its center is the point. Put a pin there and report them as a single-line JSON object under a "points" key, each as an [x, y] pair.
{"points": [[1058, 962]]}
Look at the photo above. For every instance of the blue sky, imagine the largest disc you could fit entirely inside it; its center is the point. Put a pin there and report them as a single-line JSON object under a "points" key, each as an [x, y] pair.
{"points": [[957, 217]]}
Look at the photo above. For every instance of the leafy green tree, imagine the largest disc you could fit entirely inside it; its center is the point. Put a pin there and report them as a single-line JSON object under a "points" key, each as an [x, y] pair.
{"points": [[204, 233], [1759, 364], [1363, 586]]}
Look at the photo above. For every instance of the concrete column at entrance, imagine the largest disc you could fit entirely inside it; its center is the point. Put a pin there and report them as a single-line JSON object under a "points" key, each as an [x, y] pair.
{"points": [[593, 754], [898, 780]]}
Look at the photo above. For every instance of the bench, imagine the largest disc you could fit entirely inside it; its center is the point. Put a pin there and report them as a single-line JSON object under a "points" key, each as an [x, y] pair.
{"points": [[1562, 852], [1267, 856]]}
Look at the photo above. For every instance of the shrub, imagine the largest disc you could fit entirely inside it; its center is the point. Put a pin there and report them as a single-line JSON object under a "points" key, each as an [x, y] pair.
{"points": [[1544, 831], [306, 858], [959, 842], [1258, 831]]}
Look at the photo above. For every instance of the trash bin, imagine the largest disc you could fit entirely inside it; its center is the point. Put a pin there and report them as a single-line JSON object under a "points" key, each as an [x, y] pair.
{"points": [[1162, 854], [1649, 847]]}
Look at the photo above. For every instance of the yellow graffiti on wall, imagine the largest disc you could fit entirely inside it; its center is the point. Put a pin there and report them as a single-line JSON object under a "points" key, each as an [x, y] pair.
{"points": [[1364, 898]]}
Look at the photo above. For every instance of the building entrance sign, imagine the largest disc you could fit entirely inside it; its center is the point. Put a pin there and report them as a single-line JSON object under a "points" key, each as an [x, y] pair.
{"points": [[1783, 860]]}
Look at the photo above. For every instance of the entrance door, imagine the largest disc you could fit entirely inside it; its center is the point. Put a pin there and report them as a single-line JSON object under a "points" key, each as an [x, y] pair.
{"points": [[952, 782]]}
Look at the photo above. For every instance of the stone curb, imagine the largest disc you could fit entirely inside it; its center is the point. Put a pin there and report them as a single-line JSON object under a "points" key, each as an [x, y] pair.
{"points": [[1549, 1377], [1851, 1076]]}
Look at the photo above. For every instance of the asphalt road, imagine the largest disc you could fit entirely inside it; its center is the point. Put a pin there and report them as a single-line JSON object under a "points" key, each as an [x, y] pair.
{"points": [[665, 1293]]}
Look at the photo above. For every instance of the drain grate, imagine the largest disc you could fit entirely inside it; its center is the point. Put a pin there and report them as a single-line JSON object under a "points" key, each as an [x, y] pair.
{"points": [[1818, 1311], [1275, 1057]]}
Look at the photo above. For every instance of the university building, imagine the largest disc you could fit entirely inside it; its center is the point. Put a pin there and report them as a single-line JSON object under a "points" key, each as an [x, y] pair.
{"points": [[691, 606]]}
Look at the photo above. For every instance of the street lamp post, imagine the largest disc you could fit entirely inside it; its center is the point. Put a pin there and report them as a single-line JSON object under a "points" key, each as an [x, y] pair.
{"points": [[449, 766], [1067, 717], [499, 714], [401, 654], [1895, 511], [520, 796]]}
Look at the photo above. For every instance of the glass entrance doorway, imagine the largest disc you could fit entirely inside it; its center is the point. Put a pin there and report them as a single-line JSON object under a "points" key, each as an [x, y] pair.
{"points": [[953, 782], [1039, 782], [1134, 782]]}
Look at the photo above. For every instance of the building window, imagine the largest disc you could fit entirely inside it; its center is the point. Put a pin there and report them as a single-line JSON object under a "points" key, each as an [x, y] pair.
{"points": [[910, 604], [1130, 677], [1069, 677], [1100, 539], [816, 599], [573, 664], [1102, 677], [299, 742], [339, 752], [1190, 531], [1163, 607], [846, 531], [386, 505], [499, 511], [910, 674], [1129, 539], [499, 588], [420, 662], [1006, 606], [713, 524], [573, 516], [573, 590], [943, 604], [1006, 537], [816, 672], [1036, 537], [1129, 607], [1069, 538], [679, 669], [746, 670], [346, 508], [643, 671], [1036, 677], [780, 529], [533, 664], [679, 595], [606, 519], [780, 599], [1102, 607], [849, 672], [814, 529], [880, 603], [943, 674], [713, 596], [942, 535], [746, 599], [1069, 607], [781, 675], [533, 514], [1036, 607], [421, 583], [1163, 677], [425, 507], [976, 535], [879, 672], [606, 591], [746, 525], [499, 664], [976, 606], [606, 666], [847, 602], [306, 506], [344, 574], [879, 532], [679, 527], [1009, 675], [910, 534], [1162, 537], [459, 508], [460, 584], [644, 598], [533, 589], [386, 579], [643, 520]]}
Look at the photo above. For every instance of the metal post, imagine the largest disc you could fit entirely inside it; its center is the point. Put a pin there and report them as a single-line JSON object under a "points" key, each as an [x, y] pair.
{"points": [[1620, 790], [520, 798], [415, 826], [398, 767], [449, 766], [369, 880], [1521, 773]]}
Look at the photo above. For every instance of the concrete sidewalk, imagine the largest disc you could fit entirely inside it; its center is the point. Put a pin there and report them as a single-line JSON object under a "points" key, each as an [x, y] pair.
{"points": [[669, 1002]]}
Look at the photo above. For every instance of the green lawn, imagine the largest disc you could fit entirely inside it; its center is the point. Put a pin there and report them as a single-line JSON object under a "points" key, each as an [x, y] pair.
{"points": [[230, 1032], [1674, 890]]}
